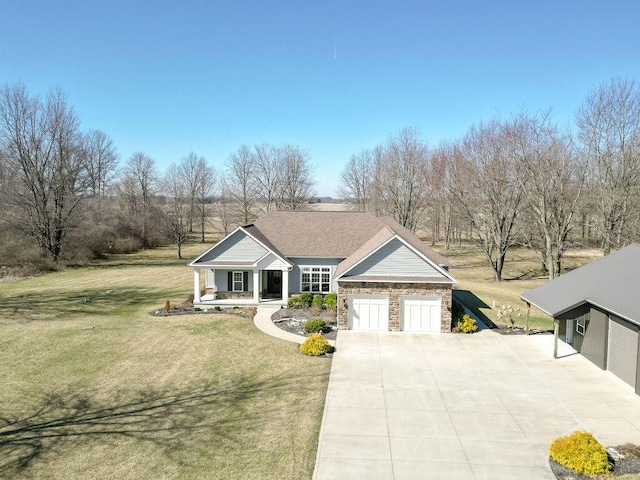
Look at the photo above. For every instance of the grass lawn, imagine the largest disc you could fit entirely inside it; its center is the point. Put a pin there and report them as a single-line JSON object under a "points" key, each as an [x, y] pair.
{"points": [[94, 387], [477, 289]]}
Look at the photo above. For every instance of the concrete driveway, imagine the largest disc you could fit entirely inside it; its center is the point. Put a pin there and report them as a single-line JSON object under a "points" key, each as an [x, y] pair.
{"points": [[482, 406]]}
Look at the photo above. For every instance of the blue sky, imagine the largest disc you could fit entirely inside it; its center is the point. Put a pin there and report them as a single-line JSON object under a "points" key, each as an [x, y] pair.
{"points": [[333, 77]]}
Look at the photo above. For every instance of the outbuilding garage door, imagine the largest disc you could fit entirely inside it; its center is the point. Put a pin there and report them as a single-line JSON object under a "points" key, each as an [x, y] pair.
{"points": [[623, 350], [369, 312], [420, 314]]}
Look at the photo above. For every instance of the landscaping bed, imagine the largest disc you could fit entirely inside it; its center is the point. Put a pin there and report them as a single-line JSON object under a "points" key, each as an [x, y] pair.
{"points": [[629, 465], [505, 330], [188, 309], [293, 320]]}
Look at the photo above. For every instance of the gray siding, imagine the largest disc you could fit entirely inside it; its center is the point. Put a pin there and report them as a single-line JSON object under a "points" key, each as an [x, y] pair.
{"points": [[623, 350], [239, 247], [222, 280], [592, 345], [395, 259], [295, 274]]}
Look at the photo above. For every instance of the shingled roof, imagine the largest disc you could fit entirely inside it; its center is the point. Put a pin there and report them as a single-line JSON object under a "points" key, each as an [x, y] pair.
{"points": [[334, 235], [610, 282]]}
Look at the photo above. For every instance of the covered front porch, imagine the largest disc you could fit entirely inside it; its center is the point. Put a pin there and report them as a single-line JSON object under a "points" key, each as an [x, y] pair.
{"points": [[240, 286]]}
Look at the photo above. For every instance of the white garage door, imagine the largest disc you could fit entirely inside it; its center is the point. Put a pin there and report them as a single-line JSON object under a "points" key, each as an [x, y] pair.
{"points": [[369, 312], [420, 314]]}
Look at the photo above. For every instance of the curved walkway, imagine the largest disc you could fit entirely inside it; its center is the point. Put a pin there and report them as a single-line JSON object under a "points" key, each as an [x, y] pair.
{"points": [[262, 320]]}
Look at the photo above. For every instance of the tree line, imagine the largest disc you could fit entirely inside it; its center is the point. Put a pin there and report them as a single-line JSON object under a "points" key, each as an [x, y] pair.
{"points": [[66, 196], [515, 181]]}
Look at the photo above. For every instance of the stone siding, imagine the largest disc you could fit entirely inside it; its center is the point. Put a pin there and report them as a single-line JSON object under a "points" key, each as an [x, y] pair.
{"points": [[231, 295], [394, 291]]}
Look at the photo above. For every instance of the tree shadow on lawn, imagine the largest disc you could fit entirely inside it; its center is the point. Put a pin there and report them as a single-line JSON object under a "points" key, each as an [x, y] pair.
{"points": [[168, 419], [60, 304]]}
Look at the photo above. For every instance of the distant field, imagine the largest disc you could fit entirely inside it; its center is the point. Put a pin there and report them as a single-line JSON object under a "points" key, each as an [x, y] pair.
{"points": [[521, 273], [94, 387]]}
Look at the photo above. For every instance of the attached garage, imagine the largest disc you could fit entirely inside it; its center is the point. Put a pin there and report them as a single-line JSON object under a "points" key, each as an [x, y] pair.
{"points": [[623, 350], [369, 312], [420, 314]]}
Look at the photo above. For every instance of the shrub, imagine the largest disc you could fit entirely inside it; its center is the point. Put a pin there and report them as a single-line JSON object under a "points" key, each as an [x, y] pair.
{"points": [[581, 452], [294, 302], [466, 325], [315, 325], [331, 301], [316, 345], [318, 301], [305, 299]]}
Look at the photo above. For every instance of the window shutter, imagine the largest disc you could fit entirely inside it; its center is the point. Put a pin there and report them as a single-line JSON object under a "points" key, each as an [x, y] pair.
{"points": [[245, 281], [230, 281]]}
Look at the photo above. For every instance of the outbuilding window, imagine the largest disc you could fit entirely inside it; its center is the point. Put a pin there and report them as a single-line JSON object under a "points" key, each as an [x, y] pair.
{"points": [[581, 326]]}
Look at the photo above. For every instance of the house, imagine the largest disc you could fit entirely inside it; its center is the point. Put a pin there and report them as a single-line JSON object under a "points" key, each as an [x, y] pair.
{"points": [[385, 277], [596, 310]]}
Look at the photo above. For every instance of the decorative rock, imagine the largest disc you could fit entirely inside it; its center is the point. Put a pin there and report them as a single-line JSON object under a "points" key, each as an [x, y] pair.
{"points": [[614, 454]]}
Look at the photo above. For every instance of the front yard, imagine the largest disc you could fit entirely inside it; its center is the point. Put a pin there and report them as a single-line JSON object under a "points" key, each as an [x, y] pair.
{"points": [[95, 387]]}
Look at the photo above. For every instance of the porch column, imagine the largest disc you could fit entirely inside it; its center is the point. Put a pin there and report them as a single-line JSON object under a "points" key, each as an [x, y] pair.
{"points": [[196, 285], [285, 285], [256, 285], [555, 337]]}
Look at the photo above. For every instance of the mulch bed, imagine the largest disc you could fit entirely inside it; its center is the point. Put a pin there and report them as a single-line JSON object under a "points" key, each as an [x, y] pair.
{"points": [[630, 464], [292, 320], [187, 309]]}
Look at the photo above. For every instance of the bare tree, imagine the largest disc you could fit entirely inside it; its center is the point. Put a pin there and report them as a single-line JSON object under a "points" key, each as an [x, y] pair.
{"points": [[269, 170], [609, 128], [240, 183], [40, 139], [401, 179], [205, 185], [551, 178], [141, 183], [101, 160], [223, 208], [178, 192], [187, 169], [443, 208], [355, 179], [486, 186], [297, 184]]}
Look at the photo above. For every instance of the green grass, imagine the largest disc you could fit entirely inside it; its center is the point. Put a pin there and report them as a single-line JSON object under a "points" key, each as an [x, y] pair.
{"points": [[484, 296], [95, 387]]}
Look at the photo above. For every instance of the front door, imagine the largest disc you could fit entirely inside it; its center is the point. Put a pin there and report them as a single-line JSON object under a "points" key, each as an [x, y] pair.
{"points": [[274, 283]]}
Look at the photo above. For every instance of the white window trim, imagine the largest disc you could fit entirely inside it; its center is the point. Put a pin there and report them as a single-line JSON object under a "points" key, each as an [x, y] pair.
{"points": [[321, 267], [234, 281], [581, 326]]}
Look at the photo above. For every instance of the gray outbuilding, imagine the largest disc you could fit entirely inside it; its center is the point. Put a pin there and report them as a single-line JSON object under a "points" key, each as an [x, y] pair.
{"points": [[596, 309]]}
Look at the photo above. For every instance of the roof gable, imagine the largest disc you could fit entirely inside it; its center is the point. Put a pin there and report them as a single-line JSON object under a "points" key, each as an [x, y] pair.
{"points": [[239, 247], [393, 258], [609, 282]]}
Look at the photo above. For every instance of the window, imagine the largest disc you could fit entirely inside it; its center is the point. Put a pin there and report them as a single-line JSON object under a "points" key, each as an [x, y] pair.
{"points": [[315, 279], [238, 282], [581, 326]]}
